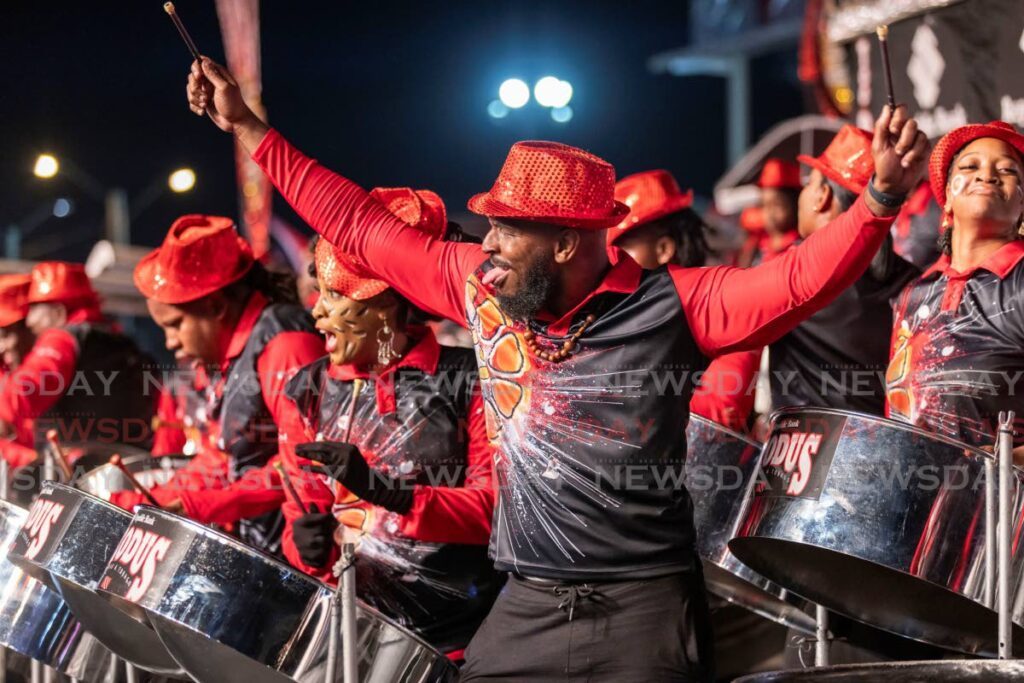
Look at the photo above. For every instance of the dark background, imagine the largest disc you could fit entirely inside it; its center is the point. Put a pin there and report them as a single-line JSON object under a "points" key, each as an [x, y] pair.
{"points": [[389, 93]]}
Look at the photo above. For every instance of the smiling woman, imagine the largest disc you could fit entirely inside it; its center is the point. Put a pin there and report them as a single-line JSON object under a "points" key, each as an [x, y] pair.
{"points": [[958, 343]]}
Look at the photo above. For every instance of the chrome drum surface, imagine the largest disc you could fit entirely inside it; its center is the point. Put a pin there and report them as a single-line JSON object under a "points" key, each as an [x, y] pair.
{"points": [[900, 672]]}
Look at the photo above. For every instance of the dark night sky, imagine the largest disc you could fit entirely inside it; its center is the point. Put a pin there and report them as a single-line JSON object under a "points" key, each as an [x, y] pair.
{"points": [[389, 93]]}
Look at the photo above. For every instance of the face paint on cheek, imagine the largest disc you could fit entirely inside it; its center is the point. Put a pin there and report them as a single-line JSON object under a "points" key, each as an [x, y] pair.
{"points": [[956, 186]]}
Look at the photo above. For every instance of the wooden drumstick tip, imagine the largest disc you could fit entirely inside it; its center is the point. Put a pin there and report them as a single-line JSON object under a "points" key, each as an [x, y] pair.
{"points": [[115, 459], [169, 7], [882, 30], [51, 435]]}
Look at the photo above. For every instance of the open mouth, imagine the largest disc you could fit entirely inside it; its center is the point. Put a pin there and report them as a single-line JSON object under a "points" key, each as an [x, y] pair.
{"points": [[496, 276]]}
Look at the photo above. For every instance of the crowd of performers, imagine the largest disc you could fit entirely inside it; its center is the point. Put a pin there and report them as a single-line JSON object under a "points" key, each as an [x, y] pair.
{"points": [[480, 483]]}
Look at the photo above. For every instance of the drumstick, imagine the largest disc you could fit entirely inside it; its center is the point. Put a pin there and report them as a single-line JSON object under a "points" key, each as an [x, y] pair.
{"points": [[58, 455], [357, 387], [115, 460], [169, 8], [883, 43], [289, 487]]}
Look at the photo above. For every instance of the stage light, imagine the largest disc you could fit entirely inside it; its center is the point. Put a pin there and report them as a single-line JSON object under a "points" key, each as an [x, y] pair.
{"points": [[514, 93], [46, 166], [182, 180], [551, 92], [562, 114], [497, 109], [62, 207]]}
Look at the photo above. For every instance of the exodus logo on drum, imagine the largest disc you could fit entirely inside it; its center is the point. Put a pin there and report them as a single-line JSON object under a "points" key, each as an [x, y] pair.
{"points": [[138, 554], [41, 518]]}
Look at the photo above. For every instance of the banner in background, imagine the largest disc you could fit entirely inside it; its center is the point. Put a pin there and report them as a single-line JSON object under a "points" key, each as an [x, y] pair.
{"points": [[240, 29]]}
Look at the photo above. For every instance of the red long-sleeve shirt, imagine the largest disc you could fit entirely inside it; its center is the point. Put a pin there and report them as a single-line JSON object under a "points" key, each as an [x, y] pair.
{"points": [[204, 487], [726, 391], [439, 514]]}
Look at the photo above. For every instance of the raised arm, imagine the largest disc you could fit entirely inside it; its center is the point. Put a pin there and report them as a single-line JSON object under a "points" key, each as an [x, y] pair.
{"points": [[734, 309], [429, 272]]}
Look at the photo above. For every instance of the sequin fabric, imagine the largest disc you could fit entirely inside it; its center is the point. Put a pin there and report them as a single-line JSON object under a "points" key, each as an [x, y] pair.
{"points": [[650, 195], [957, 139], [200, 255], [556, 183], [59, 281], [13, 298], [779, 174], [421, 209], [847, 160]]}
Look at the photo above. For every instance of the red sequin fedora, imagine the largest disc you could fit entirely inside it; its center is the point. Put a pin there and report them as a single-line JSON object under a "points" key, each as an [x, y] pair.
{"points": [[14, 298], [847, 160], [549, 182], [779, 174], [958, 138], [650, 195], [200, 255], [60, 282], [422, 209]]}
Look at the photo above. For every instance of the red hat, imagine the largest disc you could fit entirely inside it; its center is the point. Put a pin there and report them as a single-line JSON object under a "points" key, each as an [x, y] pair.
{"points": [[13, 298], [780, 174], [650, 195], [200, 255], [422, 209], [553, 183], [60, 282], [752, 219], [847, 160], [958, 138]]}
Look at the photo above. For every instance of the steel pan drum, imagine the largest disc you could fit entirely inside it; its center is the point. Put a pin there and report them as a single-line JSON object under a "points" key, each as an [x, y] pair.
{"points": [[720, 468], [879, 521], [35, 622], [902, 672], [149, 470], [66, 542], [231, 614]]}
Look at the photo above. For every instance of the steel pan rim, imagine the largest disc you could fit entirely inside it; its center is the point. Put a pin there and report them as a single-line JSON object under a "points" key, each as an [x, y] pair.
{"points": [[869, 667], [240, 545], [884, 421], [717, 426], [88, 496]]}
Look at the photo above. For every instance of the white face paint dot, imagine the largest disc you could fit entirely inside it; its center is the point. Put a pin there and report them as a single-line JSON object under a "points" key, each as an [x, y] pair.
{"points": [[549, 409], [957, 185], [405, 467], [923, 311], [947, 351]]}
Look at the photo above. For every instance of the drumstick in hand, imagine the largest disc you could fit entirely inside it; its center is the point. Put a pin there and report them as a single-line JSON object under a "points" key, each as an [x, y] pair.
{"points": [[289, 487], [169, 8], [115, 460], [883, 43], [59, 456]]}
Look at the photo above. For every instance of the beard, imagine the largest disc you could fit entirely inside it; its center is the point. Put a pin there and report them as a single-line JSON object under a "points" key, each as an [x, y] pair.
{"points": [[537, 287]]}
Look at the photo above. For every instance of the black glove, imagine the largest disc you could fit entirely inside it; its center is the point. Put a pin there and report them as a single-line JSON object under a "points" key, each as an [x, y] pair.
{"points": [[344, 462], [313, 534]]}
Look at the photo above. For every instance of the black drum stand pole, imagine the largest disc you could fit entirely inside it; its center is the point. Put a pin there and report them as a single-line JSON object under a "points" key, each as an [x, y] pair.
{"points": [[1005, 450]]}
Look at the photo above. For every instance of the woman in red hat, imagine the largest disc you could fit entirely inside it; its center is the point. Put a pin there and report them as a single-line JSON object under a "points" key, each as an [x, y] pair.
{"points": [[245, 335], [586, 371], [780, 186], [958, 330], [83, 377], [412, 470], [18, 446]]}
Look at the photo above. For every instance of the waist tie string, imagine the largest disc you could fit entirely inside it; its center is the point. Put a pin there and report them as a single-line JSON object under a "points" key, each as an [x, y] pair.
{"points": [[572, 594]]}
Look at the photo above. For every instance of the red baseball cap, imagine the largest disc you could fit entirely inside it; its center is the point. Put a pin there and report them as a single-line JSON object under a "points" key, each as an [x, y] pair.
{"points": [[779, 174], [422, 209], [958, 138], [14, 298], [60, 282], [847, 160], [200, 255], [650, 195], [553, 183]]}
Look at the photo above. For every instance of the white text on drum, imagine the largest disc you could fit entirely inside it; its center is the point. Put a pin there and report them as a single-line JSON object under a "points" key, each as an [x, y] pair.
{"points": [[41, 518], [794, 452], [139, 552]]}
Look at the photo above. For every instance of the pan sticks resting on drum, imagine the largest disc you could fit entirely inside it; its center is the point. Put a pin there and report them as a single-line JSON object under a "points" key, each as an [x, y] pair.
{"points": [[169, 8], [883, 44], [58, 455], [115, 460]]}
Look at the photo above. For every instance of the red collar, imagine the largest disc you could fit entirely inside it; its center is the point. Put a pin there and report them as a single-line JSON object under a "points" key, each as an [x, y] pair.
{"points": [[243, 329], [621, 278], [424, 355], [1000, 263]]}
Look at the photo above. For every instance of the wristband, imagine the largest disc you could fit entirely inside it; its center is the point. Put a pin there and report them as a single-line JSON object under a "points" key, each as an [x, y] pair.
{"points": [[891, 201]]}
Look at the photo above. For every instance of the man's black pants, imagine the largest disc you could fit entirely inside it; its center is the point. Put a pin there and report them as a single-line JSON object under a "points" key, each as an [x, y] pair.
{"points": [[646, 631]]}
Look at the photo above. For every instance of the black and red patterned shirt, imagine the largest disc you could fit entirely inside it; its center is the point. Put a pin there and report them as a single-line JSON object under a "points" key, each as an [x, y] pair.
{"points": [[958, 348]]}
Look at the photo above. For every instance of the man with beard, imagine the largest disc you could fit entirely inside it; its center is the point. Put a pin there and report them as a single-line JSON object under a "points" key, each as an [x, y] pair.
{"points": [[837, 357], [586, 370]]}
